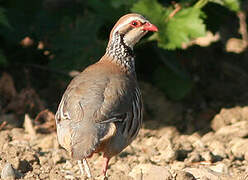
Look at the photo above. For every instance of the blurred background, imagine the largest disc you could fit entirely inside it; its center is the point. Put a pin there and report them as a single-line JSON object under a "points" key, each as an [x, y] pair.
{"points": [[194, 66]]}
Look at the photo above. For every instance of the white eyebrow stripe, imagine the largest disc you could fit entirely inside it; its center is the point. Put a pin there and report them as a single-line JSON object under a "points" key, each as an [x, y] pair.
{"points": [[128, 21]]}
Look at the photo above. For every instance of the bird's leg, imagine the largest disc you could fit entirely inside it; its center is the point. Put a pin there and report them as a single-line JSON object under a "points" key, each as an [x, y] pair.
{"points": [[105, 166], [81, 167], [87, 168]]}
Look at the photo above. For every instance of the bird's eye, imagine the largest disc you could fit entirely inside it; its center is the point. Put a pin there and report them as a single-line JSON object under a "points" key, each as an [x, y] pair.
{"points": [[136, 23]]}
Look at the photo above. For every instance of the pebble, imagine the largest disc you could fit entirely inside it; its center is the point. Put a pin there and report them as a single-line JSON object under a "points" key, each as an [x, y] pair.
{"points": [[149, 171], [220, 168], [207, 173], [28, 126], [207, 156], [57, 156], [182, 175], [169, 154], [217, 148], [177, 165], [193, 157], [226, 117], [8, 172], [47, 142], [239, 129], [239, 147]]}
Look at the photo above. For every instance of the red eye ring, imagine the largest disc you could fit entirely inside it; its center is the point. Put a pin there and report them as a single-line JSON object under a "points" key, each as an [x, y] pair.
{"points": [[136, 23]]}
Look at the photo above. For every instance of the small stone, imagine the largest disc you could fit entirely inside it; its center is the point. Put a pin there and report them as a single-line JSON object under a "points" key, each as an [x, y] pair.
{"points": [[194, 138], [8, 172], [239, 129], [246, 156], [226, 117], [217, 148], [43, 160], [181, 175], [208, 137], [186, 145], [4, 138], [193, 157], [47, 142], [163, 143], [169, 154], [67, 165], [17, 134], [28, 126], [177, 165], [239, 147], [57, 157], [220, 168], [201, 173], [207, 156], [149, 171]]}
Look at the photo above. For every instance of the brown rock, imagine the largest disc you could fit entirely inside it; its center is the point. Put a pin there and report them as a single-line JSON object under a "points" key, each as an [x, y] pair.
{"points": [[8, 172], [149, 171], [226, 117], [4, 138], [181, 175], [28, 126], [193, 157], [239, 129], [239, 147], [217, 148], [46, 142], [201, 173], [166, 149], [207, 156]]}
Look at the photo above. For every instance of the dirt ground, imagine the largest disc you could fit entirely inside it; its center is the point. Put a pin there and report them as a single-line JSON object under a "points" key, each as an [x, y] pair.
{"points": [[162, 153], [212, 146], [203, 136]]}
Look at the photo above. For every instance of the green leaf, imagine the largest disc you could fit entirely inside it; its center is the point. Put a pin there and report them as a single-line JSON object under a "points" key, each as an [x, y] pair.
{"points": [[3, 18], [187, 24], [152, 10], [233, 5]]}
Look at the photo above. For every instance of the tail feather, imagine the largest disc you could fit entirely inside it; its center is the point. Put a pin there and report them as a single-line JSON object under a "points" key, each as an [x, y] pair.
{"points": [[79, 139]]}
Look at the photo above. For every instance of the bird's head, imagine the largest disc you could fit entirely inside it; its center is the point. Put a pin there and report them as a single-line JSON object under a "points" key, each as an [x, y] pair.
{"points": [[131, 28]]}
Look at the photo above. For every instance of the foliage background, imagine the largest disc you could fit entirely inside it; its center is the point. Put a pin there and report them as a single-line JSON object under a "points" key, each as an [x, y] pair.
{"points": [[42, 41]]}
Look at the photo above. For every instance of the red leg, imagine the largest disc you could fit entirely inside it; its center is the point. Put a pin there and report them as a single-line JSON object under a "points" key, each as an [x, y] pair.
{"points": [[105, 167]]}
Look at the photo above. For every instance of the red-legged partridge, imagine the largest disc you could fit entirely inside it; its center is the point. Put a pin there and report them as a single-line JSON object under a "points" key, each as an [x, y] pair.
{"points": [[101, 109]]}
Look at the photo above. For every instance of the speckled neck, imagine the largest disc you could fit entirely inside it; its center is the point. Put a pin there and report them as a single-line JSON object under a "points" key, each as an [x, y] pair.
{"points": [[121, 53]]}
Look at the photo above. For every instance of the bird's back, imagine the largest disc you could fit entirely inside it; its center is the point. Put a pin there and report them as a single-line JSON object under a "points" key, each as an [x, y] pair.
{"points": [[88, 113]]}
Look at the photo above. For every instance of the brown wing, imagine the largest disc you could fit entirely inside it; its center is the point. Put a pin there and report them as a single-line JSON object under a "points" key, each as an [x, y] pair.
{"points": [[91, 99]]}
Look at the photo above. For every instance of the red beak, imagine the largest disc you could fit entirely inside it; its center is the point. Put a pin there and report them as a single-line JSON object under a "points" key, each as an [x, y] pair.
{"points": [[150, 27]]}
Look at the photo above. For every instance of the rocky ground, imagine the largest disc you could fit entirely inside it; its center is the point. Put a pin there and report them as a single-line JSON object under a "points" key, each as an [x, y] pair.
{"points": [[160, 153], [203, 137]]}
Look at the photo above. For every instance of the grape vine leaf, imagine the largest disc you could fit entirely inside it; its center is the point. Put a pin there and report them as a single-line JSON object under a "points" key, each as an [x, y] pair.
{"points": [[184, 25], [233, 5]]}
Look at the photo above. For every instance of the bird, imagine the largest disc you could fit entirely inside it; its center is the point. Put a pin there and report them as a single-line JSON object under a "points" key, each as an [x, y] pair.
{"points": [[101, 110]]}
